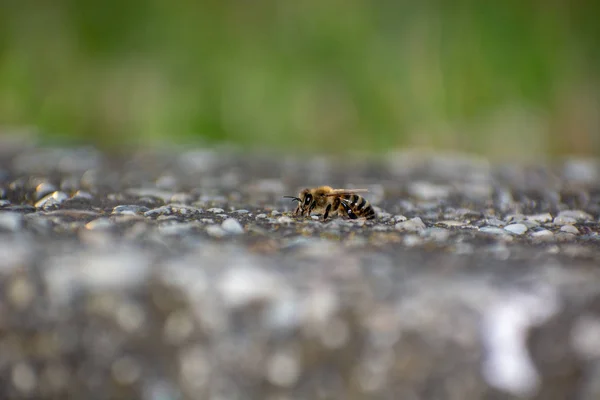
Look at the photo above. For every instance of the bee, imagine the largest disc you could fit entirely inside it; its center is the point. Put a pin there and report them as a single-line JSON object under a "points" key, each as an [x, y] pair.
{"points": [[328, 202]]}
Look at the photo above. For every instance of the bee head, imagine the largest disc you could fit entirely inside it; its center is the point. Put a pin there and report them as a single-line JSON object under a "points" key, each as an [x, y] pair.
{"points": [[304, 203], [304, 199]]}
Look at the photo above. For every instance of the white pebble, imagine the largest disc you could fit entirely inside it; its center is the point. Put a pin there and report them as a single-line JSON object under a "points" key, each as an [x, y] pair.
{"points": [[284, 220], [578, 215], [231, 225], [517, 229], [541, 218], [569, 229], [451, 223], [412, 225], [542, 233], [563, 220], [82, 195], [215, 210]]}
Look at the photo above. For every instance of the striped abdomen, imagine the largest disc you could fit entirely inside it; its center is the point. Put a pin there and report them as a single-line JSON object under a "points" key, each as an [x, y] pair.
{"points": [[356, 206]]}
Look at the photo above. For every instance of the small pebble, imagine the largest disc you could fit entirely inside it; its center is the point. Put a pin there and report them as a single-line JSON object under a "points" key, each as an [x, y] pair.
{"points": [[562, 220], [577, 215], [569, 229], [82, 195], [452, 224], [285, 220], [155, 212], [232, 226], [44, 189], [412, 225], [52, 200], [517, 229], [541, 218], [542, 233], [515, 218], [129, 210], [494, 222], [216, 210]]}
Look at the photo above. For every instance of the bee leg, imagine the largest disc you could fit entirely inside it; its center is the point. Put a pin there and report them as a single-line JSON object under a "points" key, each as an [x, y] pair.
{"points": [[311, 207], [327, 212], [349, 211]]}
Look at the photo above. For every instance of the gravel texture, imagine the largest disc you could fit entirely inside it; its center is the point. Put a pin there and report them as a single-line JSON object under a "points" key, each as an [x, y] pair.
{"points": [[183, 275]]}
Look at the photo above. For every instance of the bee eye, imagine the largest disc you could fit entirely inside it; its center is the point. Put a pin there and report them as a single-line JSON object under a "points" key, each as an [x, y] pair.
{"points": [[307, 199]]}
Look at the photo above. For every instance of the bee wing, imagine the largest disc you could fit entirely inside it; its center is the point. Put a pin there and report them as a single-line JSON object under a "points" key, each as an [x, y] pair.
{"points": [[339, 192]]}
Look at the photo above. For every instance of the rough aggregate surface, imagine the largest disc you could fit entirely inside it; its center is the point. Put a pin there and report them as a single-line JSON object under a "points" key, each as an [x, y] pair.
{"points": [[182, 274]]}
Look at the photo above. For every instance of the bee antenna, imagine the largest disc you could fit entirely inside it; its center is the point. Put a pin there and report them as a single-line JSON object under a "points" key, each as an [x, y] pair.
{"points": [[292, 197]]}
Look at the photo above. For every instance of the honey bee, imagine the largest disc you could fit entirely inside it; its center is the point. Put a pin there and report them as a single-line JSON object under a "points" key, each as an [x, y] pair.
{"points": [[328, 202]]}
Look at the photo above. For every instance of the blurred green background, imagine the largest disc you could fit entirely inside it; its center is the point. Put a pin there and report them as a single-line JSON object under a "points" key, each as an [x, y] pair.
{"points": [[515, 79]]}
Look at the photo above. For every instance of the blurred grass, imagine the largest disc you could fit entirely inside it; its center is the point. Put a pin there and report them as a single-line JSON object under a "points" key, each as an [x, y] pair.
{"points": [[507, 79]]}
